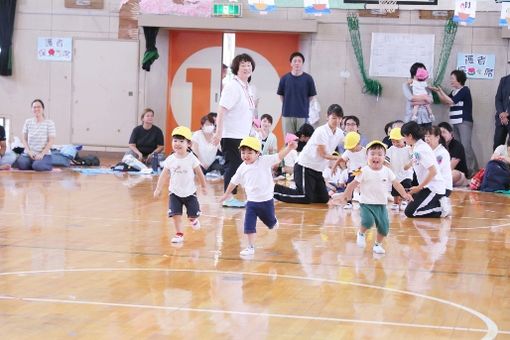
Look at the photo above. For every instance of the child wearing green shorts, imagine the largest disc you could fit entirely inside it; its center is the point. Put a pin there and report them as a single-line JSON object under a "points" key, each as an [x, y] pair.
{"points": [[373, 182]]}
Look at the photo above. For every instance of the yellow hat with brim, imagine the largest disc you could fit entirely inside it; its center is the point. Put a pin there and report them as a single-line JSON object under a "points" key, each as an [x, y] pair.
{"points": [[182, 131], [396, 134], [375, 142], [251, 142], [351, 140]]}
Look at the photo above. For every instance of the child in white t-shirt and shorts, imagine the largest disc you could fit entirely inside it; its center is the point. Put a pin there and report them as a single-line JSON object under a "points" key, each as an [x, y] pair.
{"points": [[182, 166], [372, 181], [255, 175]]}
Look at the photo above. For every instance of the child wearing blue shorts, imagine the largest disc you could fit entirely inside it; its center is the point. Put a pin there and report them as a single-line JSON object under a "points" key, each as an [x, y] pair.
{"points": [[255, 175]]}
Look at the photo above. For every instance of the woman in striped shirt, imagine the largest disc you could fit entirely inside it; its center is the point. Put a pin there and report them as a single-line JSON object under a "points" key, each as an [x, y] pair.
{"points": [[38, 137], [461, 114]]}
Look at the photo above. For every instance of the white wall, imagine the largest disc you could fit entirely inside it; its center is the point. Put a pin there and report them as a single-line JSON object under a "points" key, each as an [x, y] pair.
{"points": [[328, 52], [52, 81]]}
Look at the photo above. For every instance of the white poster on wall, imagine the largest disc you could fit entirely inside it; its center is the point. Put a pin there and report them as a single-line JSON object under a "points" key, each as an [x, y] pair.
{"points": [[59, 49], [392, 54]]}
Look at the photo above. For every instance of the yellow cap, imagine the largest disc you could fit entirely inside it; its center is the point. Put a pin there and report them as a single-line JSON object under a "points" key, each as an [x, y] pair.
{"points": [[182, 131], [395, 134], [375, 142], [252, 143], [351, 140]]}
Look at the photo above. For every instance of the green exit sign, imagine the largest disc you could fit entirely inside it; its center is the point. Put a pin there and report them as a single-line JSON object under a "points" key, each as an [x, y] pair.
{"points": [[227, 9]]}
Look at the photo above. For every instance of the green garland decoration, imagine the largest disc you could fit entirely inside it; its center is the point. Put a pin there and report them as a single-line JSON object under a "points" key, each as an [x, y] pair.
{"points": [[450, 31], [371, 86]]}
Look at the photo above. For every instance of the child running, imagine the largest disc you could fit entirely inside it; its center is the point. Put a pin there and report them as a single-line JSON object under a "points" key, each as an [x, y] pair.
{"points": [[373, 181], [254, 174], [181, 167]]}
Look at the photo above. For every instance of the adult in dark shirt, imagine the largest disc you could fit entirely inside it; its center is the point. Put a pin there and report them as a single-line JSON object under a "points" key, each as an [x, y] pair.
{"points": [[457, 155], [461, 114], [502, 112], [296, 89], [6, 157], [146, 139]]}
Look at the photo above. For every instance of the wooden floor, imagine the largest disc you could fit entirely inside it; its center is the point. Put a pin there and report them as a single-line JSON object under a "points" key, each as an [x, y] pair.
{"points": [[89, 256]]}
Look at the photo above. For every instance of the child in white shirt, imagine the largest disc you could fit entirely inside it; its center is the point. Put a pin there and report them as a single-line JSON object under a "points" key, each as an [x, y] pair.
{"points": [[354, 158], [373, 180], [182, 167], [255, 175], [335, 181], [419, 87], [398, 158]]}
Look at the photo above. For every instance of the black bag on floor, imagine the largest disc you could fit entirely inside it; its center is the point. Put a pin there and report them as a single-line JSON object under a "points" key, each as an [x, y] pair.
{"points": [[89, 160]]}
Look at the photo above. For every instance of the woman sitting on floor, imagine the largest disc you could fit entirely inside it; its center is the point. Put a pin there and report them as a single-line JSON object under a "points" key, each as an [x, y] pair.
{"points": [[38, 136]]}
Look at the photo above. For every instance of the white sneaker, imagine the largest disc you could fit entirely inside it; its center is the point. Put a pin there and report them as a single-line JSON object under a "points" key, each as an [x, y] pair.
{"points": [[247, 251], [195, 224], [394, 206], [360, 240], [378, 249], [445, 206], [403, 205], [348, 206], [178, 239]]}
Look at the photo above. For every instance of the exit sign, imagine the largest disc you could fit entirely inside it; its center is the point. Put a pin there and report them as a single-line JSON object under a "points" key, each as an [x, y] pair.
{"points": [[227, 9]]}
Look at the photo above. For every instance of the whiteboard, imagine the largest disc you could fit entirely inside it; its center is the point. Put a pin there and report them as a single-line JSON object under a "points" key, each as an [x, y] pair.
{"points": [[392, 54]]}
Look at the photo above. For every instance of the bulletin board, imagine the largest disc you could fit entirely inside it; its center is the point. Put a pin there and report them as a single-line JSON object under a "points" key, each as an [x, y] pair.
{"points": [[392, 54]]}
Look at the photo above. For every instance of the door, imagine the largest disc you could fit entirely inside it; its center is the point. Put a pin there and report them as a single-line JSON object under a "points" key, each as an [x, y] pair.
{"points": [[104, 92]]}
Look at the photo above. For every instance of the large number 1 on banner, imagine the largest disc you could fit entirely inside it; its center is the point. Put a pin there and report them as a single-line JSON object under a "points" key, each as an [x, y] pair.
{"points": [[200, 79]]}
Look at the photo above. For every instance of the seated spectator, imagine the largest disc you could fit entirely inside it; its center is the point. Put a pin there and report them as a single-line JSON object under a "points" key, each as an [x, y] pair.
{"points": [[351, 124], [457, 155], [304, 133], [267, 138], [7, 157], [387, 140], [502, 152], [202, 146], [38, 137], [146, 139]]}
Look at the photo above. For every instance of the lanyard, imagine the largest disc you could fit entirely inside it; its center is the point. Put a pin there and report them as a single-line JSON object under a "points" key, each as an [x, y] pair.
{"points": [[246, 91]]}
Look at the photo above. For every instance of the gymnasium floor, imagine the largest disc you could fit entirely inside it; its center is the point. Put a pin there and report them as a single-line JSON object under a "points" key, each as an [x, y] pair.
{"points": [[88, 256]]}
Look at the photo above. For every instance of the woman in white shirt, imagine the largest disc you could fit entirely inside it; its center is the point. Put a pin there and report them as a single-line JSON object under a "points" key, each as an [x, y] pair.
{"points": [[203, 147], [235, 114], [38, 137], [428, 194], [436, 142], [310, 185]]}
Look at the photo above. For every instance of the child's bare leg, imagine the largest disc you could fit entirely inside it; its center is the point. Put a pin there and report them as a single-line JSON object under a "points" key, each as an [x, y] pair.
{"points": [[415, 112], [177, 223], [251, 239], [379, 238], [429, 111]]}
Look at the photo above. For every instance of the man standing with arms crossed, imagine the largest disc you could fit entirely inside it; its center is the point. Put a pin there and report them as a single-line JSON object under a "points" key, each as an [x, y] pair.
{"points": [[296, 90]]}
